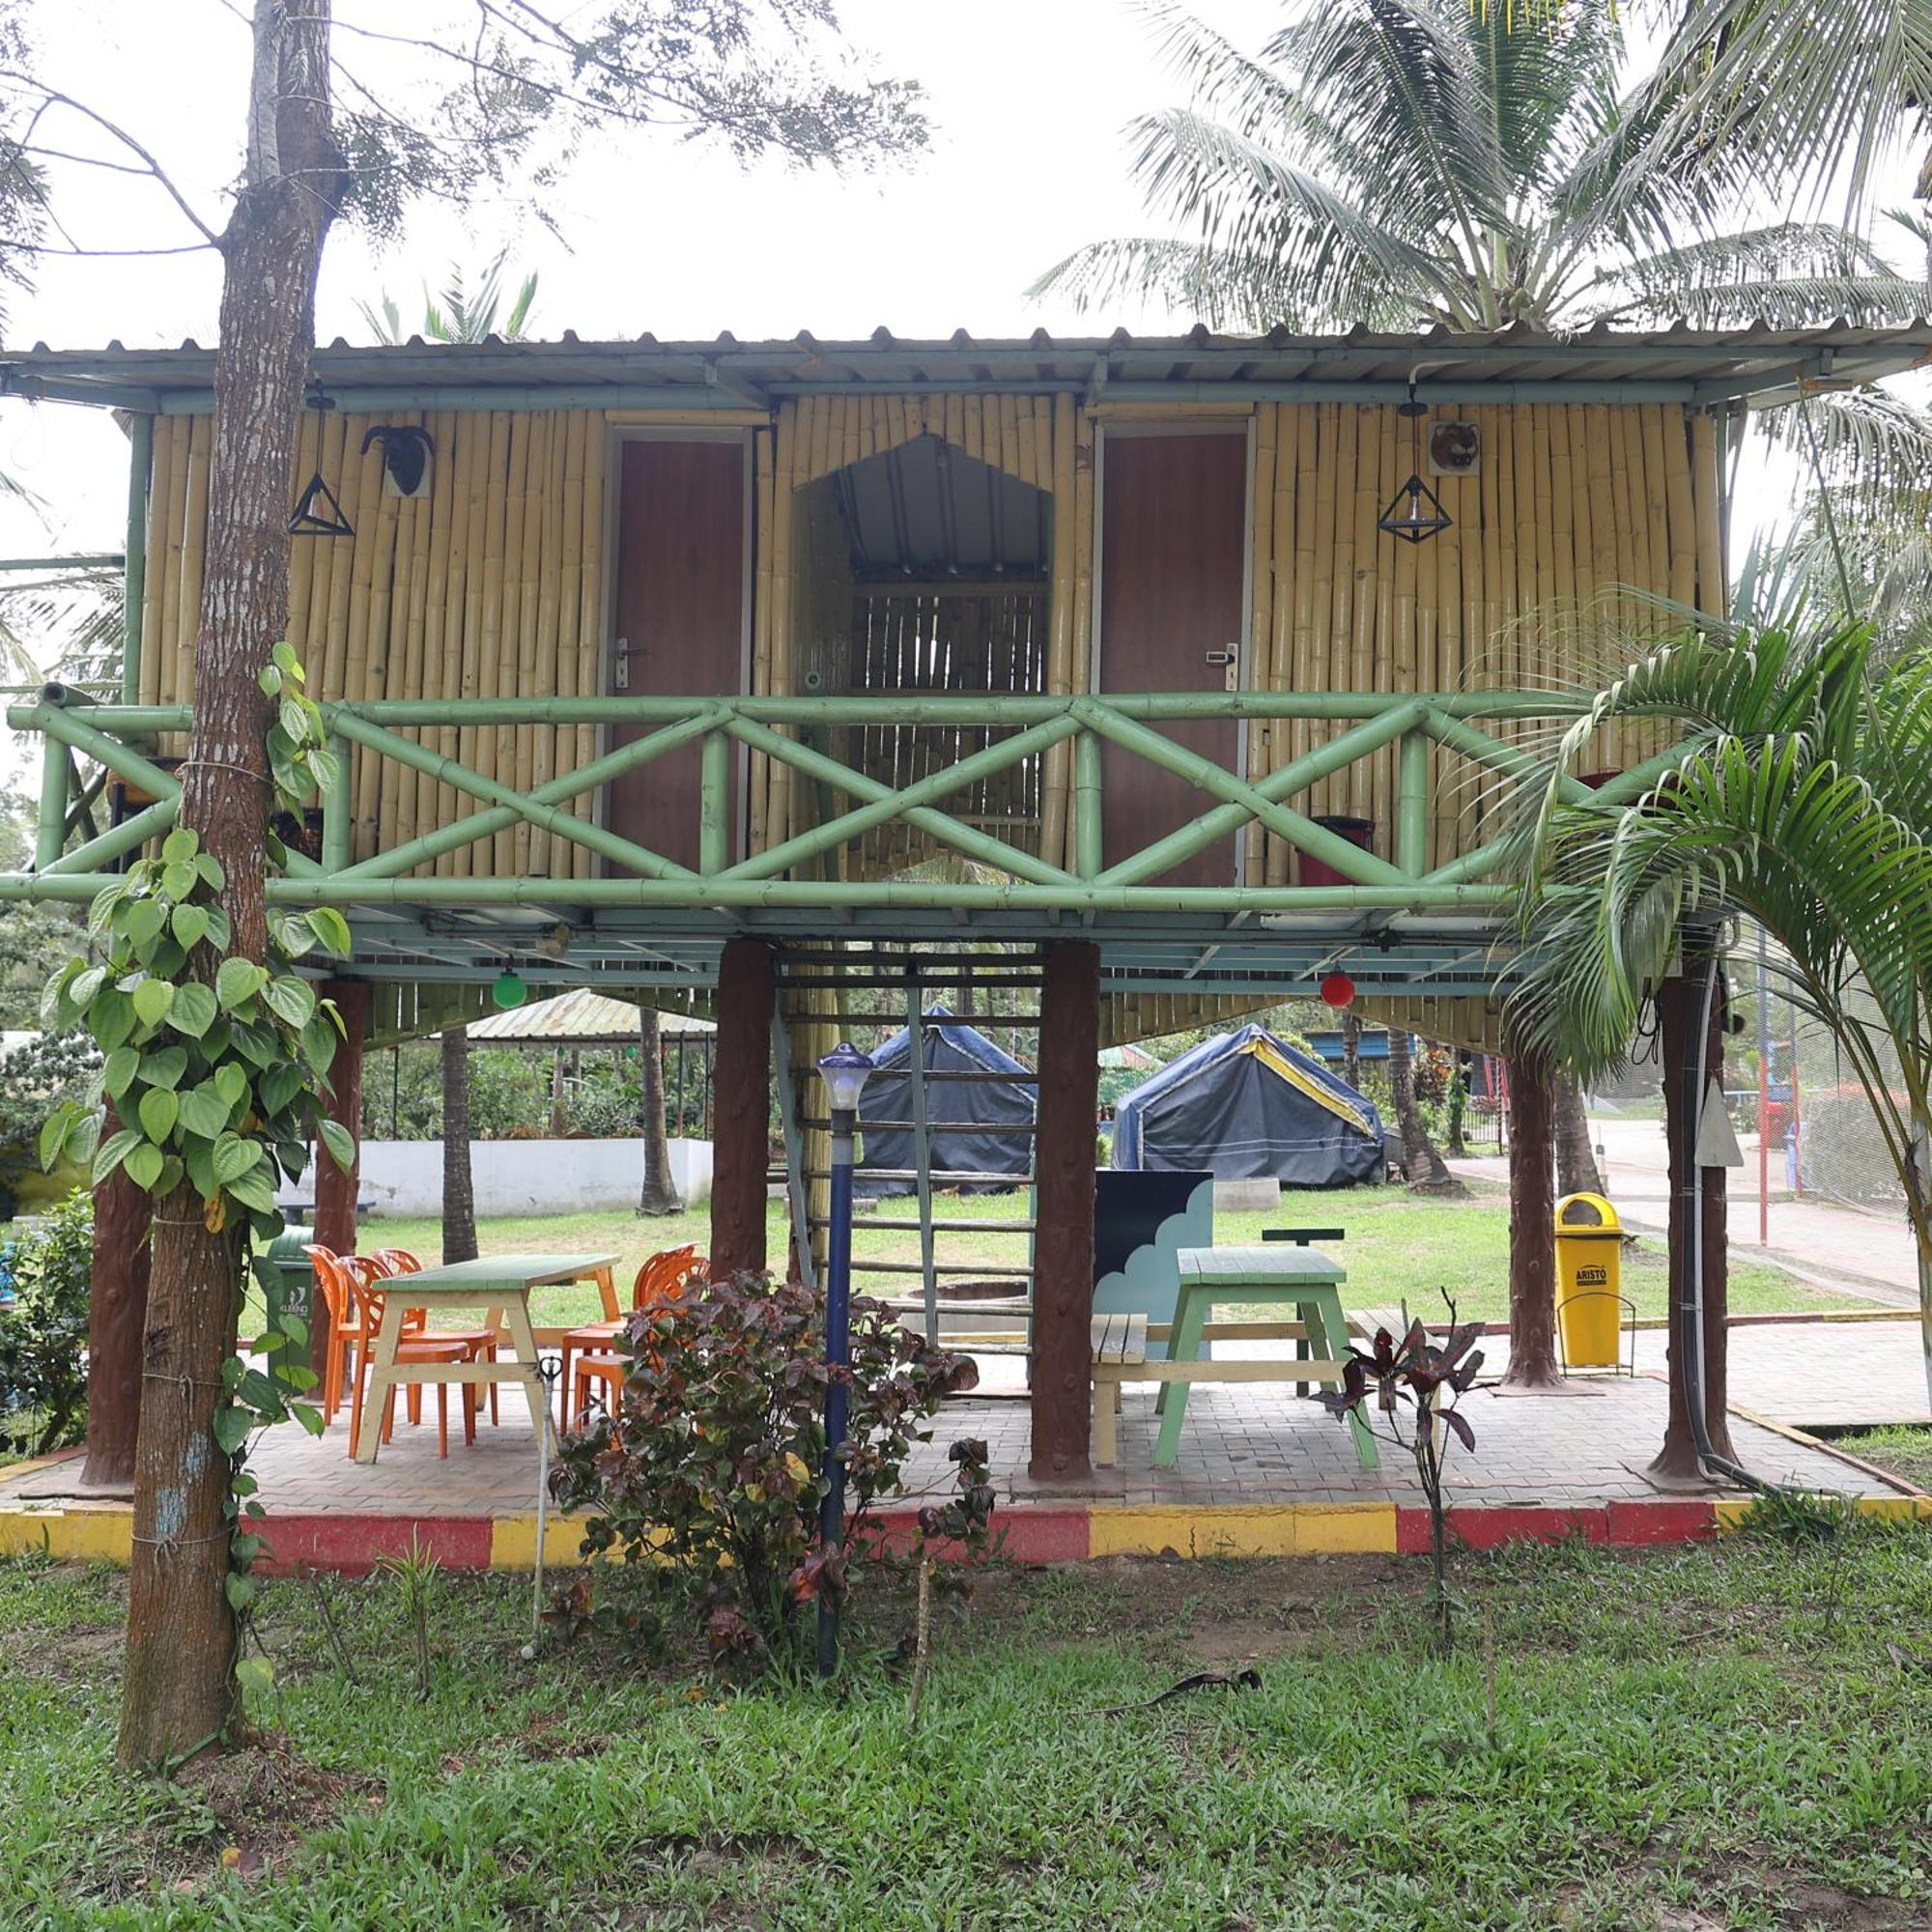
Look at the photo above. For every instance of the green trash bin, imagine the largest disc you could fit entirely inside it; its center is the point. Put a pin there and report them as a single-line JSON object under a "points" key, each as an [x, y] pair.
{"points": [[287, 1283]]}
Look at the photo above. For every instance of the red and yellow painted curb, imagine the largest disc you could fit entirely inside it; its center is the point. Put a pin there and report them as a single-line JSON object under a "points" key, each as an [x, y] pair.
{"points": [[350, 1541]]}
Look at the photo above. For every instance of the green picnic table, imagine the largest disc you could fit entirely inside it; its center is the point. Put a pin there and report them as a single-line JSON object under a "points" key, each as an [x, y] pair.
{"points": [[501, 1284], [1302, 1278]]}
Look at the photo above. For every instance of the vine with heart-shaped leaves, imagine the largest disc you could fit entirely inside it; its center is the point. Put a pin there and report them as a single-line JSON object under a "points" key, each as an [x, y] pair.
{"points": [[215, 1069]]}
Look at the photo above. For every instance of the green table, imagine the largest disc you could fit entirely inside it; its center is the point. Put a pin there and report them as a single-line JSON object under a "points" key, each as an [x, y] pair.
{"points": [[1303, 1279], [503, 1284]]}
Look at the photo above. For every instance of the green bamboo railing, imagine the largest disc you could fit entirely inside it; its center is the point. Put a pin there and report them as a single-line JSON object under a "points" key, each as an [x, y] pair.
{"points": [[800, 872]]}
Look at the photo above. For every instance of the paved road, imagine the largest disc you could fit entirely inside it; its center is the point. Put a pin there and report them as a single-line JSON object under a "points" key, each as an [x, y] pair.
{"points": [[1869, 1254]]}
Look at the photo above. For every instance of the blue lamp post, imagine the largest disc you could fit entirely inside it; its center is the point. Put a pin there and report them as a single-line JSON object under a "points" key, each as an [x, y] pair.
{"points": [[844, 1070]]}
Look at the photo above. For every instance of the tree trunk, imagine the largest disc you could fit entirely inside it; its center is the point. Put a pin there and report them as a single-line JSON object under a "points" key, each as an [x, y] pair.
{"points": [[1576, 1169], [1351, 1049], [179, 1692], [115, 1316], [1427, 1174], [660, 1193], [1532, 1249], [459, 1194], [1680, 1007]]}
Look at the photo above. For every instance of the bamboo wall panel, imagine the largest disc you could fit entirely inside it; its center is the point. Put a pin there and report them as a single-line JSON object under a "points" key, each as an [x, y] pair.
{"points": [[490, 585]]}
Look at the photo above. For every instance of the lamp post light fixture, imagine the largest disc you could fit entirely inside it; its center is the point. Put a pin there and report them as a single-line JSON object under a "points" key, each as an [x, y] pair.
{"points": [[844, 1071]]}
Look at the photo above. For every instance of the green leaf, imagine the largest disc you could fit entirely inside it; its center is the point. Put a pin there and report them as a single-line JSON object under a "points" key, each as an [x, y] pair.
{"points": [[82, 987], [242, 1590], [220, 928], [210, 869], [204, 1112], [178, 880], [179, 844], [116, 1072], [144, 1164], [331, 931], [255, 1044], [309, 1417], [270, 679], [198, 1159], [255, 1190], [290, 998], [234, 1157], [318, 1044], [283, 655], [141, 922], [54, 1132], [153, 1000], [111, 1018], [255, 1678], [278, 1086], [172, 1169], [258, 1390], [190, 925], [165, 1068], [230, 1428], [112, 1152], [85, 1137], [158, 1110], [236, 982], [231, 1083], [194, 1009], [340, 1143]]}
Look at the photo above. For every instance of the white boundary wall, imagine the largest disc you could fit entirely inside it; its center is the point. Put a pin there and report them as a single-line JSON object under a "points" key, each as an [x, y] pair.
{"points": [[519, 1176]]}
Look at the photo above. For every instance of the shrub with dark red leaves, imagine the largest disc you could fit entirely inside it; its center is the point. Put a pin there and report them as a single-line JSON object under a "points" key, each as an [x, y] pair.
{"points": [[712, 1456]]}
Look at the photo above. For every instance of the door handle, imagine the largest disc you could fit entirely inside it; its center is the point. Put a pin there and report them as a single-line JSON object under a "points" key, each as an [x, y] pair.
{"points": [[1230, 661], [620, 665]]}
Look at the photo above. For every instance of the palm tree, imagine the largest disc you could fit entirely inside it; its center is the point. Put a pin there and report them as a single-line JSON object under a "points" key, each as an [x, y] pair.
{"points": [[1402, 163], [1800, 797], [465, 314]]}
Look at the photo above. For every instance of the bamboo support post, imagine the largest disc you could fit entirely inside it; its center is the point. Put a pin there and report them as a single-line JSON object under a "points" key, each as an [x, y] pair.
{"points": [[1089, 825], [714, 831]]}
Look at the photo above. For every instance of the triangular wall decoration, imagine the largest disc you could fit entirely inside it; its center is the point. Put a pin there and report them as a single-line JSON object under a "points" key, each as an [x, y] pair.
{"points": [[318, 512]]}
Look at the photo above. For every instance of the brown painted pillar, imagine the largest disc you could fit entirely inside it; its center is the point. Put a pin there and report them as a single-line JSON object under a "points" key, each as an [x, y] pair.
{"points": [[117, 1313], [1532, 1267], [747, 987], [1063, 1288], [336, 1192], [1680, 1007]]}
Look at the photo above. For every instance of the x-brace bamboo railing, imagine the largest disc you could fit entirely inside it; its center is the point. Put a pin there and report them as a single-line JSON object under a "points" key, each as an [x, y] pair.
{"points": [[803, 870]]}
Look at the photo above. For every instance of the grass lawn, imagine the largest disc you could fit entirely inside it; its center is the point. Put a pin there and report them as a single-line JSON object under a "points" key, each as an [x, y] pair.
{"points": [[1903, 1450], [1399, 1247], [1694, 1739]]}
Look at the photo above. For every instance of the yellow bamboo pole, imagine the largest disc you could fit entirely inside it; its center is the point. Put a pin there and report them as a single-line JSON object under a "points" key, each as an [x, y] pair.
{"points": [[547, 669], [1334, 644], [1083, 553], [426, 651], [1054, 812], [349, 585], [601, 510], [177, 654], [1261, 621], [327, 555], [561, 741], [1282, 602], [1444, 664], [1713, 593], [1680, 506], [521, 657], [1300, 667], [784, 529], [499, 749], [1374, 436], [443, 669], [762, 616], [847, 451], [156, 645], [399, 809]]}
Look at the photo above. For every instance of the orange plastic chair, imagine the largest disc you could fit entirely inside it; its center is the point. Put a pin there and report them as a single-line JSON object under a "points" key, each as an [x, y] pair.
{"points": [[389, 1263], [662, 1278], [348, 1336], [356, 1312]]}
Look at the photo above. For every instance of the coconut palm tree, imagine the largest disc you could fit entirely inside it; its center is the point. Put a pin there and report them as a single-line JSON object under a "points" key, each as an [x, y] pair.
{"points": [[465, 312], [1800, 797], [1414, 163]]}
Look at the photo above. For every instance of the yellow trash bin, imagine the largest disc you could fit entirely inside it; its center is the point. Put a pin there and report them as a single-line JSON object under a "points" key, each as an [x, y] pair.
{"points": [[1589, 1281]]}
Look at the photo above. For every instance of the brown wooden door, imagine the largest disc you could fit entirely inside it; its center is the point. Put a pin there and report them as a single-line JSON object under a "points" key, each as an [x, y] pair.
{"points": [[1172, 551], [680, 619]]}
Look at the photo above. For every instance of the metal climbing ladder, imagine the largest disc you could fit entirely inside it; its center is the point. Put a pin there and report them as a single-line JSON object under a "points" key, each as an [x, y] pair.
{"points": [[835, 976]]}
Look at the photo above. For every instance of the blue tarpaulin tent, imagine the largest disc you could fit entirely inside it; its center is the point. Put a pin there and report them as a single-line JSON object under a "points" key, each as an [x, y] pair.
{"points": [[1248, 1106], [972, 1120]]}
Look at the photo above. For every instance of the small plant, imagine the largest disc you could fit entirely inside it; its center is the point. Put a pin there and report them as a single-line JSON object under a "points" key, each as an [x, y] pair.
{"points": [[1430, 1378], [713, 1460], [419, 1577], [43, 1336]]}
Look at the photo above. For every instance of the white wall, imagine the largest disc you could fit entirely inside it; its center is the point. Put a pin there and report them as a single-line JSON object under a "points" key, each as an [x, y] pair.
{"points": [[519, 1176]]}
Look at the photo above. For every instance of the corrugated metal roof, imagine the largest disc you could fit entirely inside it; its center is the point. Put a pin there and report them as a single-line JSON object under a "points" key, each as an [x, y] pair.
{"points": [[1720, 362], [579, 1018], [928, 511]]}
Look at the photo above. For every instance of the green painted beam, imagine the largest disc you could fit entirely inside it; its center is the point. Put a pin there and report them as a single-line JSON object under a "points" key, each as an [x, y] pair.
{"points": [[373, 399], [130, 835], [520, 804], [1088, 821], [1300, 831], [1411, 805], [554, 791], [51, 833], [886, 805]]}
